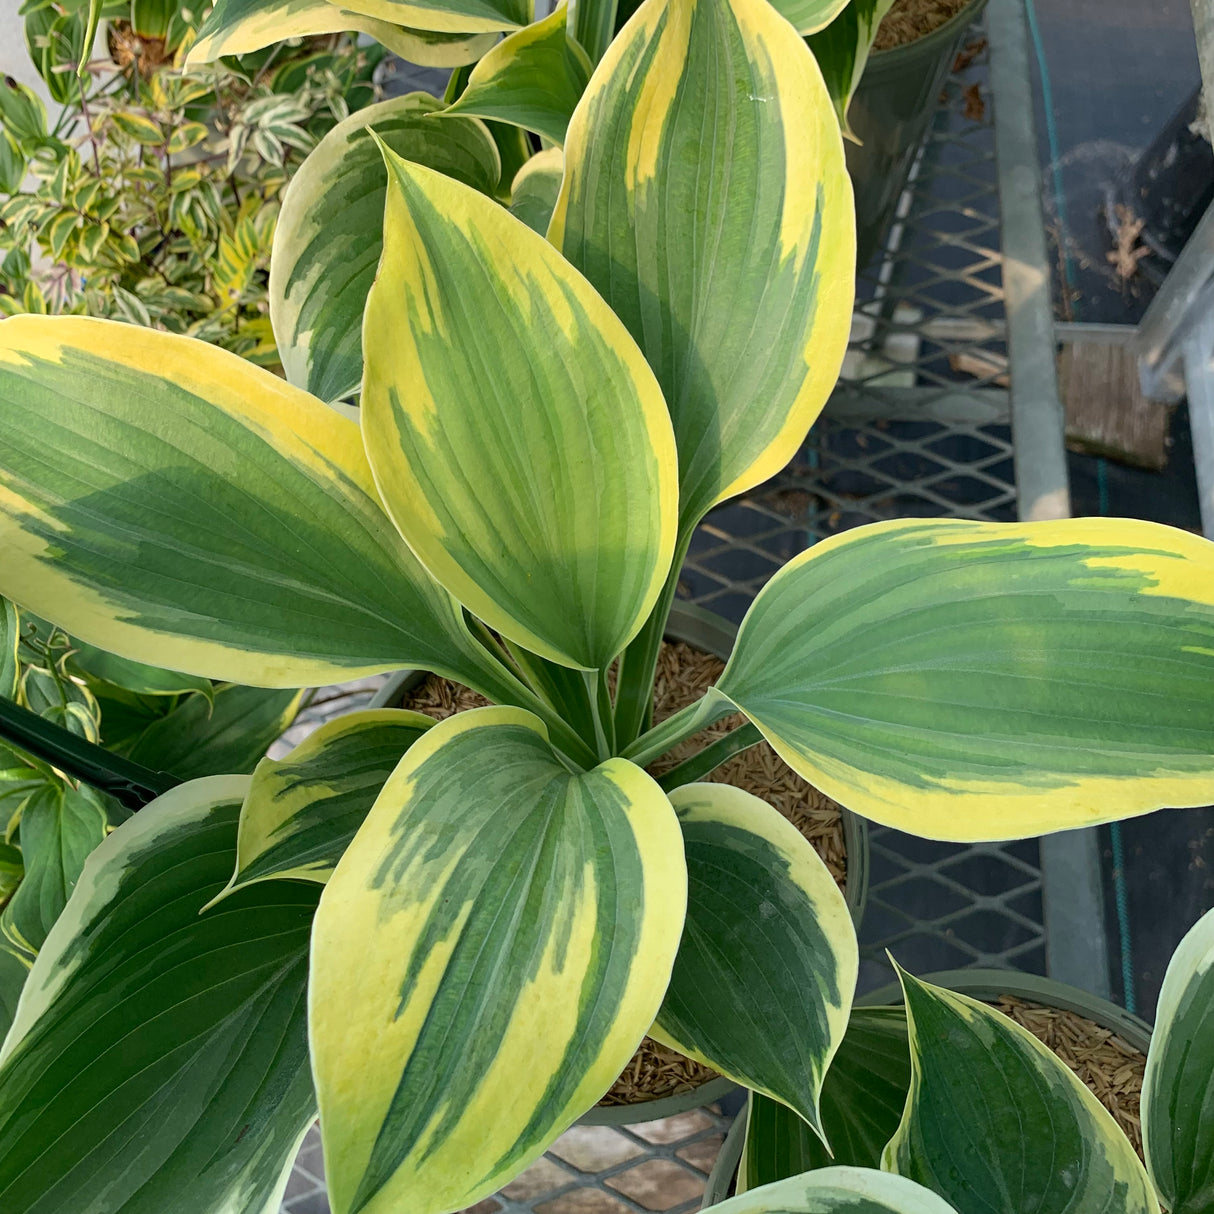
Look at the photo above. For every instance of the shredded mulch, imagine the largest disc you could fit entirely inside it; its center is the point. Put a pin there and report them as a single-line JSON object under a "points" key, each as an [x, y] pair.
{"points": [[910, 20], [684, 675], [1111, 1068]]}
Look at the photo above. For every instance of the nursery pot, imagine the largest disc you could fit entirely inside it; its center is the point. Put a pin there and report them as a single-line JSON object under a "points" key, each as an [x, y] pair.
{"points": [[988, 985], [890, 113], [712, 634]]}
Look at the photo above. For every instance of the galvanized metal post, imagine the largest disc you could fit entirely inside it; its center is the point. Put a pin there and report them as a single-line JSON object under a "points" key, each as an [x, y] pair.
{"points": [[1076, 946]]}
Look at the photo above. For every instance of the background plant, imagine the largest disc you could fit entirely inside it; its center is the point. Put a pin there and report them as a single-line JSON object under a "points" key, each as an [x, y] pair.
{"points": [[153, 197]]}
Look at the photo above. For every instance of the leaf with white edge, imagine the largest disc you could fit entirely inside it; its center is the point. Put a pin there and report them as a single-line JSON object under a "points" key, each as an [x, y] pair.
{"points": [[303, 810], [532, 79], [996, 1121], [535, 187], [329, 235], [159, 1059], [10, 634], [169, 502], [487, 955], [237, 27], [136, 677], [773, 237], [842, 48], [810, 16], [863, 1096], [449, 16], [766, 970], [518, 439], [1178, 1090], [60, 828], [981, 681], [838, 1191]]}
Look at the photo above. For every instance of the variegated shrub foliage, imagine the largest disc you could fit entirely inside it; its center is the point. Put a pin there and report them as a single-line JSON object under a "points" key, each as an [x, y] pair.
{"points": [[952, 1094], [451, 936]]}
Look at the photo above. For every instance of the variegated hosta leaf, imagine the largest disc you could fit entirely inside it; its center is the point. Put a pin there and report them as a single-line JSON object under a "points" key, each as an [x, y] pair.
{"points": [[10, 633], [1178, 1090], [165, 500], [488, 953], [532, 79], [518, 439], [236, 27], [303, 810], [809, 16], [863, 1096], [136, 677], [536, 185], [159, 1059], [226, 736], [330, 232], [449, 16], [842, 48], [838, 1191], [989, 680], [764, 979], [773, 239], [60, 827], [995, 1121]]}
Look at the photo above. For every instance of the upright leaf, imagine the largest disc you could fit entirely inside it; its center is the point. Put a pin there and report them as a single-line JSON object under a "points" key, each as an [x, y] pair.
{"points": [[773, 237], [164, 500], [987, 680], [518, 438], [535, 187], [838, 1191], [449, 16], [488, 953], [329, 236], [532, 79], [1178, 1090], [863, 1096], [10, 634], [236, 27], [303, 810], [136, 677], [995, 1121], [592, 25], [809, 16], [13, 973], [159, 1060], [842, 48], [60, 827], [766, 970]]}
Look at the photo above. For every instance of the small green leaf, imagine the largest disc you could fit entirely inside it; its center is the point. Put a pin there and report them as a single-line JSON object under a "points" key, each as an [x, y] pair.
{"points": [[138, 126], [533, 79], [1178, 1089], [13, 973], [995, 1121], [10, 633], [22, 113], [535, 188], [842, 48], [186, 136], [134, 676], [766, 970]]}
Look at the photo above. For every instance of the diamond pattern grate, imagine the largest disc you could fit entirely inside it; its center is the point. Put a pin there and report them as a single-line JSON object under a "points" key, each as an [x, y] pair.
{"points": [[918, 425]]}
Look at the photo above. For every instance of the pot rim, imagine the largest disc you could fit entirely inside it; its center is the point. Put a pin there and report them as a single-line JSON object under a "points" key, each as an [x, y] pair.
{"points": [[892, 57]]}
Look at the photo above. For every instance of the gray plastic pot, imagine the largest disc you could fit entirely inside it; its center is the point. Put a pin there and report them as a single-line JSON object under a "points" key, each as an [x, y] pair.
{"points": [[987, 985], [890, 113], [712, 634]]}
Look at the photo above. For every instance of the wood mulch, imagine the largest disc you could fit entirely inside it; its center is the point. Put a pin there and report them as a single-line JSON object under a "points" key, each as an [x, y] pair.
{"points": [[910, 20]]}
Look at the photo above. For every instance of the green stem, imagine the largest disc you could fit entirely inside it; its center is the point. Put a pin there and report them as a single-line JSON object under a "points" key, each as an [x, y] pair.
{"points": [[639, 662], [707, 710], [560, 686], [711, 757], [600, 712]]}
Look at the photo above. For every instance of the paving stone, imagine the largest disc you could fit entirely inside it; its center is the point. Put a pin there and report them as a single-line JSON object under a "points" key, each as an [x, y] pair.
{"points": [[703, 1153], [541, 1177], [673, 1129], [593, 1148], [659, 1184], [584, 1201]]}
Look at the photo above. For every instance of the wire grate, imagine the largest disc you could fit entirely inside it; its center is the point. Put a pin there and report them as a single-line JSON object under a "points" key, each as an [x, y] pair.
{"points": [[917, 426]]}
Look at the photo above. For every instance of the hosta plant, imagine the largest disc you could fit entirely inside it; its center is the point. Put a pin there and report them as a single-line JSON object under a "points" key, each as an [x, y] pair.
{"points": [[450, 937], [50, 822], [959, 1098]]}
